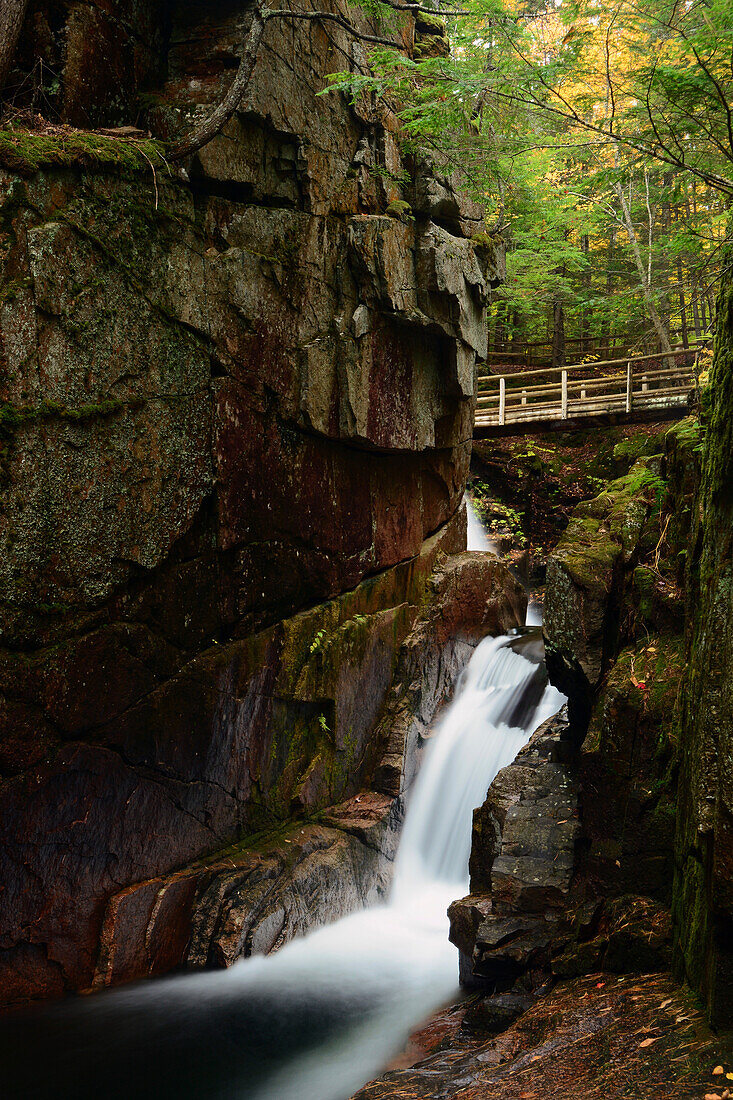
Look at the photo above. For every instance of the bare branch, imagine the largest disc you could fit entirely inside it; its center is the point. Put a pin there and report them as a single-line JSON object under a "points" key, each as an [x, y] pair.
{"points": [[424, 11], [219, 117], [320, 16]]}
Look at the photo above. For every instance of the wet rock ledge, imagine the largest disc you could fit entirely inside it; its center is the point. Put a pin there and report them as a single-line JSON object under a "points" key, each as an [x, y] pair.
{"points": [[600, 1037]]}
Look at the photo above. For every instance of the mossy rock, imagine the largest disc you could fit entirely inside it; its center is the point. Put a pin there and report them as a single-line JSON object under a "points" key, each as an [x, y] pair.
{"points": [[400, 210], [27, 151]]}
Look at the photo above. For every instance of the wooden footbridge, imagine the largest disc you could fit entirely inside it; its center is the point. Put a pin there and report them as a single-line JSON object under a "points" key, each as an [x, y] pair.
{"points": [[629, 390]]}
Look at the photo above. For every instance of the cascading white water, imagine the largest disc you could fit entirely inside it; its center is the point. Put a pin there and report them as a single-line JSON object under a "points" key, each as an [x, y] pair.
{"points": [[474, 742], [400, 951], [327, 1012], [477, 539]]}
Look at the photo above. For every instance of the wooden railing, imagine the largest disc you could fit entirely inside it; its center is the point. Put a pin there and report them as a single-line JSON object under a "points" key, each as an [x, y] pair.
{"points": [[582, 390], [538, 353]]}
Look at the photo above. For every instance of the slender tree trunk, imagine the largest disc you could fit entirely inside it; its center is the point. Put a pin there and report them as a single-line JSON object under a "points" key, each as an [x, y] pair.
{"points": [[694, 290], [666, 269], [683, 306], [219, 117], [662, 334], [694, 282], [610, 260], [499, 329], [681, 292], [585, 249], [12, 17], [558, 334]]}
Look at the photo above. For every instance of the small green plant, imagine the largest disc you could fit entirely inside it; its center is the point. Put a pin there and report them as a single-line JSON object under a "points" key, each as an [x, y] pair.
{"points": [[323, 723], [317, 644]]}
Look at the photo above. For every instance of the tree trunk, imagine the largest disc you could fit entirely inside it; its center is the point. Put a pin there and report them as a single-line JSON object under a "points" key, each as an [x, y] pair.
{"points": [[12, 17], [646, 289], [558, 334], [694, 282], [605, 348], [681, 292], [665, 266], [695, 307], [585, 249], [219, 117]]}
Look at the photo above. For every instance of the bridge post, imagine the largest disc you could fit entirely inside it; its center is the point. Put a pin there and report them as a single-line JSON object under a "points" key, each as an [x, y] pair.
{"points": [[564, 398], [502, 400], [628, 386]]}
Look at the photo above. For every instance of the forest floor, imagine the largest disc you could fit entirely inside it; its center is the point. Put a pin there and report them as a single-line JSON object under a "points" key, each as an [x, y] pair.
{"points": [[601, 1036]]}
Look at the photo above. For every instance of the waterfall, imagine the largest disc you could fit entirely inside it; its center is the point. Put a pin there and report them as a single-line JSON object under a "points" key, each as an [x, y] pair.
{"points": [[327, 1012], [474, 742], [477, 539]]}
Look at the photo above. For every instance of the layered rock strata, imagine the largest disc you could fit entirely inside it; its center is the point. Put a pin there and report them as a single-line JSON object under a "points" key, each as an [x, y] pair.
{"points": [[236, 420]]}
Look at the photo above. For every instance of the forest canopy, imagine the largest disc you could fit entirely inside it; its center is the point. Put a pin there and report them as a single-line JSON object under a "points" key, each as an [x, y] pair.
{"points": [[601, 139]]}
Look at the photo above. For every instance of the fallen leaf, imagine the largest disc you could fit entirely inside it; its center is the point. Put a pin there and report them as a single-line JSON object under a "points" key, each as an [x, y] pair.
{"points": [[713, 1096], [717, 1071], [665, 1003], [600, 985], [729, 1076], [648, 1043]]}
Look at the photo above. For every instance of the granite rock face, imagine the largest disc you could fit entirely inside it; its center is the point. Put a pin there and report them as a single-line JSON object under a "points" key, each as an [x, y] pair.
{"points": [[253, 897], [587, 578], [236, 423], [522, 862], [703, 902], [573, 850], [471, 595]]}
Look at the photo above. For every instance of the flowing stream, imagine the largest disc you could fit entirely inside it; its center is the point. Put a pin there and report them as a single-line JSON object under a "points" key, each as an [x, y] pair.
{"points": [[327, 1012]]}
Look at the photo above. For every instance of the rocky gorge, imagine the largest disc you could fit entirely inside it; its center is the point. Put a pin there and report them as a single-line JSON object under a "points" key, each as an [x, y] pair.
{"points": [[236, 423], [235, 441]]}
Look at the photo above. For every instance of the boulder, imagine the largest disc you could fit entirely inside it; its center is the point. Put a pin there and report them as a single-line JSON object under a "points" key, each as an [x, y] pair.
{"points": [[522, 863]]}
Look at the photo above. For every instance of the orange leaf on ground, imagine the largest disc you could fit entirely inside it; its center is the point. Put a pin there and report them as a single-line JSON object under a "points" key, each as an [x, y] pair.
{"points": [[647, 1042]]}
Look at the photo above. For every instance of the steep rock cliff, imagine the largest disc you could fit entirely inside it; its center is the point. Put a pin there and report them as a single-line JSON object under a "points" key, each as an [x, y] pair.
{"points": [[229, 395], [703, 902]]}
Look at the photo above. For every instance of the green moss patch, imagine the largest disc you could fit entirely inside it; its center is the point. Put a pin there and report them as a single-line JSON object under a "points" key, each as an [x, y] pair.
{"points": [[26, 151]]}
